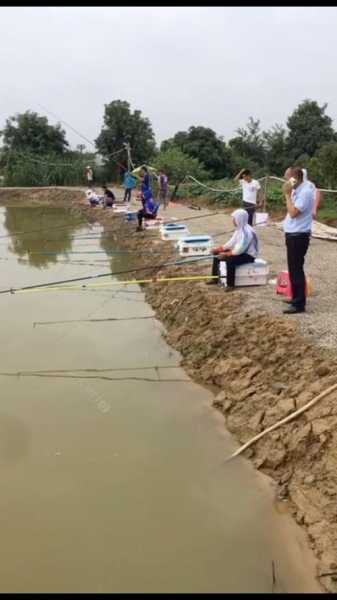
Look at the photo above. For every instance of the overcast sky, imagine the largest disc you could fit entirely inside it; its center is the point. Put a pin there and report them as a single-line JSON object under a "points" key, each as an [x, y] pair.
{"points": [[181, 66]]}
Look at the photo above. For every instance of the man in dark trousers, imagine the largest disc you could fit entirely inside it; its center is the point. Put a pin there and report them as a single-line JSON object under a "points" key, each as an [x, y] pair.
{"points": [[300, 199], [251, 192]]}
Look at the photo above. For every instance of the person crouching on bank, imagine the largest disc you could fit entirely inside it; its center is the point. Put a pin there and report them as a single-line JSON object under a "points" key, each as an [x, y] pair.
{"points": [[149, 210], [240, 249]]}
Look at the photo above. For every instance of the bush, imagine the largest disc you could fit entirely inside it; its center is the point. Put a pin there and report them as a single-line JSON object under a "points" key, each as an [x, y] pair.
{"points": [[25, 170]]}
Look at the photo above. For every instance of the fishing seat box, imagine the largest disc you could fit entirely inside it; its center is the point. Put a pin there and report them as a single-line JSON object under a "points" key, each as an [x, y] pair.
{"points": [[153, 223], [195, 245], [173, 231], [255, 273]]}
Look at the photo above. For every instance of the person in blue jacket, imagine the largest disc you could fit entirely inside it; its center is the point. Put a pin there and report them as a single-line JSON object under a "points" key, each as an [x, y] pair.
{"points": [[129, 183], [149, 210], [145, 179]]}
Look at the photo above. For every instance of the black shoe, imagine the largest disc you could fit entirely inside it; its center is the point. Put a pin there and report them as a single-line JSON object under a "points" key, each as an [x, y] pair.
{"points": [[228, 288], [287, 301], [139, 228], [212, 282], [292, 310]]}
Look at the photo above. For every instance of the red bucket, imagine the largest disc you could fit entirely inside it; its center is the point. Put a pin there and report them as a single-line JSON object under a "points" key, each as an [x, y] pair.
{"points": [[283, 285]]}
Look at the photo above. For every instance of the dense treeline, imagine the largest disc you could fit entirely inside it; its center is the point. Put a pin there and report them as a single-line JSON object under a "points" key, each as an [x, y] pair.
{"points": [[34, 152]]}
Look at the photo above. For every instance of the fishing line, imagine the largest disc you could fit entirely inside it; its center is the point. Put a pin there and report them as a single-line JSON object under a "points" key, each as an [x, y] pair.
{"points": [[88, 277], [107, 252], [67, 124], [101, 377], [51, 164], [85, 222], [92, 320], [129, 282], [78, 133], [108, 370], [14, 233]]}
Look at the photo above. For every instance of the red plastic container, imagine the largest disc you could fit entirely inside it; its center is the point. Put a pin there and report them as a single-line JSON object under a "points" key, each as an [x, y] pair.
{"points": [[283, 285]]}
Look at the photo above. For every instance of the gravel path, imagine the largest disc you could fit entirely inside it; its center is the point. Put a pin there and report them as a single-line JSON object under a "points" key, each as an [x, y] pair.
{"points": [[319, 323]]}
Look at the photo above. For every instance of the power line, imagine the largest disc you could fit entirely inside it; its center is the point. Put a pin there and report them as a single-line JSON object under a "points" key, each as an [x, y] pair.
{"points": [[68, 125]]}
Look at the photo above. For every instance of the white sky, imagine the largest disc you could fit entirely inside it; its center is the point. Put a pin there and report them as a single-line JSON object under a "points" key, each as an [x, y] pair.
{"points": [[181, 66]]}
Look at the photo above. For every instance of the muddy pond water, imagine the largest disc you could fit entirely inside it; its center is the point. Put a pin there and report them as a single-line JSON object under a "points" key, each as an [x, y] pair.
{"points": [[111, 459]]}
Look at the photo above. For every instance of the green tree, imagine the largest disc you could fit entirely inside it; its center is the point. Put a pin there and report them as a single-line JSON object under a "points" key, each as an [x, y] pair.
{"points": [[314, 169], [203, 144], [277, 159], [122, 126], [325, 162], [249, 143], [309, 128], [28, 132], [177, 165]]}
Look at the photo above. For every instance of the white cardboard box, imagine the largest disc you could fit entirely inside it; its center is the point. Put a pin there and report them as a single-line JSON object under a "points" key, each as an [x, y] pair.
{"points": [[255, 273]]}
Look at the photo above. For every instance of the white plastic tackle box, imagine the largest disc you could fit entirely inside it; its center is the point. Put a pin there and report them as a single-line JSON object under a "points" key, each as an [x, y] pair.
{"points": [[255, 273], [173, 231], [195, 245]]}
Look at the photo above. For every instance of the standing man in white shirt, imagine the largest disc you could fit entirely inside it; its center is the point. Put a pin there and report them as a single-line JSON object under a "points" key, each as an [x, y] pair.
{"points": [[250, 192], [300, 199], [89, 175]]}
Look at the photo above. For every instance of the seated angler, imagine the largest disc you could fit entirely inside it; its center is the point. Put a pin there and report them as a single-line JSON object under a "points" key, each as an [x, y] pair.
{"points": [[92, 197], [149, 210], [240, 249], [108, 198]]}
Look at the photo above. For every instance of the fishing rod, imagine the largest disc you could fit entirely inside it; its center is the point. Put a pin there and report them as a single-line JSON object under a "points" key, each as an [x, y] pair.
{"points": [[128, 282], [101, 377], [47, 163], [67, 124], [83, 136], [89, 277], [114, 319], [151, 367], [107, 252], [86, 223]]}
